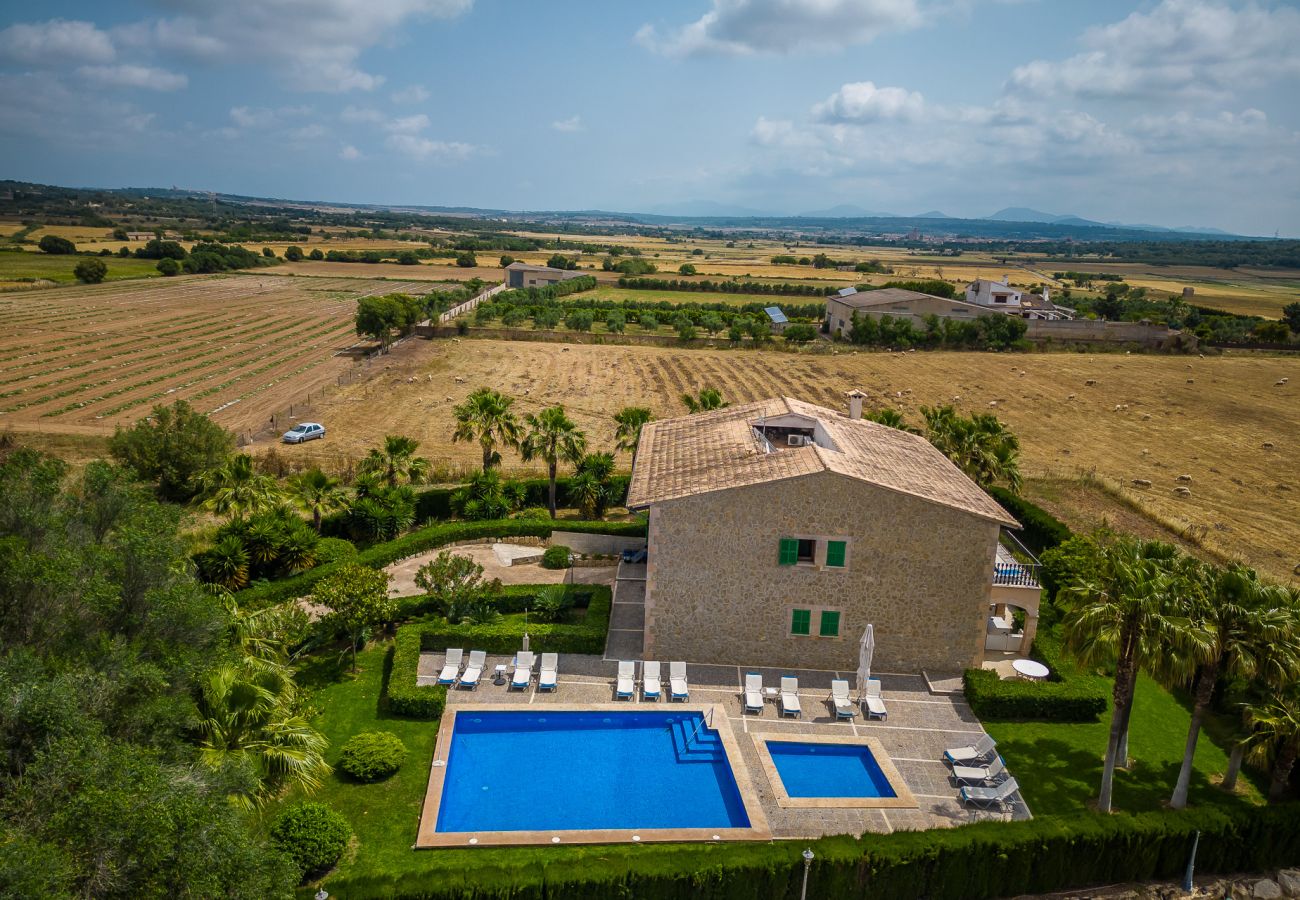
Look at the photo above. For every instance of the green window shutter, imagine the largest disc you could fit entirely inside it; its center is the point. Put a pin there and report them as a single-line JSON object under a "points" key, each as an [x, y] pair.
{"points": [[830, 624], [801, 621], [835, 554], [789, 552]]}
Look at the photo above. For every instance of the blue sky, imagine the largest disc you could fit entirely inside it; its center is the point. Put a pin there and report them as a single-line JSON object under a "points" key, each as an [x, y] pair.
{"points": [[1176, 112]]}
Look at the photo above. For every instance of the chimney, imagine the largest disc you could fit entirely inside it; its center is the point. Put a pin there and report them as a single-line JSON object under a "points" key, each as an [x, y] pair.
{"points": [[855, 403]]}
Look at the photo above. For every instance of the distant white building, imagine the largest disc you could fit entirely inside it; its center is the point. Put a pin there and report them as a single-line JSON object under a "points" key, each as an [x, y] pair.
{"points": [[1013, 301]]}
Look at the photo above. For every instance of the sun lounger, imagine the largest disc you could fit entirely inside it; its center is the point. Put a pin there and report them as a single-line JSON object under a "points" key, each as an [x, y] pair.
{"points": [[875, 704], [790, 696], [979, 774], [548, 678], [753, 692], [451, 667], [650, 685], [626, 685], [988, 797], [523, 674], [971, 753], [844, 708], [473, 669], [677, 687]]}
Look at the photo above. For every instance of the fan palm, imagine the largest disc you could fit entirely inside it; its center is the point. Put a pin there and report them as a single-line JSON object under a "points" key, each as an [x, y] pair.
{"points": [[486, 417], [891, 417], [707, 399], [1275, 737], [246, 716], [1129, 614], [316, 493], [591, 489], [225, 563], [630, 420], [396, 463], [981, 446], [237, 489], [1255, 636], [552, 436]]}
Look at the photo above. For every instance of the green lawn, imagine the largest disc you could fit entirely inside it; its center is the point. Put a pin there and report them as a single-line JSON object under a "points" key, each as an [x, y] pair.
{"points": [[1058, 765], [26, 266]]}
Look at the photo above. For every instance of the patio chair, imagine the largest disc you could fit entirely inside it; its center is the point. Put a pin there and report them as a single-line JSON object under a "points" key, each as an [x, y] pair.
{"points": [[473, 669], [844, 708], [979, 774], [651, 688], [972, 752], [790, 696], [626, 685], [753, 692], [523, 674], [677, 687], [875, 703], [989, 797], [451, 667], [548, 677]]}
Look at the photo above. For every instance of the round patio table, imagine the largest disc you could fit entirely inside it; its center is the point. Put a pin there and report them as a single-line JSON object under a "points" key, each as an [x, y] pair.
{"points": [[1028, 668]]}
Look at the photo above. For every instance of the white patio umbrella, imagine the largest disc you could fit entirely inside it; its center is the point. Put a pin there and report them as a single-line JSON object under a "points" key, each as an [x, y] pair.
{"points": [[866, 647]]}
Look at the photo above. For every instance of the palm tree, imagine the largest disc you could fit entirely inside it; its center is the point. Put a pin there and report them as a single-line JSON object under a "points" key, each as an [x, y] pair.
{"points": [[236, 489], [1129, 614], [590, 490], [225, 563], [630, 420], [485, 417], [707, 399], [1254, 637], [316, 493], [246, 715], [552, 436], [981, 446], [1275, 737], [396, 463], [891, 417]]}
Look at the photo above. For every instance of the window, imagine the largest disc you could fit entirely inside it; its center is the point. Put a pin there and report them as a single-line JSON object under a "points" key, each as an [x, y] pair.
{"points": [[789, 552], [807, 551], [830, 626], [801, 621], [835, 551]]}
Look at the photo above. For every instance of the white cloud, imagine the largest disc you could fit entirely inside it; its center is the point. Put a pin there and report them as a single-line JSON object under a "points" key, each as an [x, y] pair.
{"points": [[1193, 48], [311, 132], [349, 152], [573, 123], [54, 42], [315, 45], [416, 93], [420, 148], [862, 101], [361, 115], [252, 117], [746, 27], [131, 76], [408, 124]]}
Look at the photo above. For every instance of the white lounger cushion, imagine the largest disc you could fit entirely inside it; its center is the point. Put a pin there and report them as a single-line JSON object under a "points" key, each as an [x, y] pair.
{"points": [[550, 671], [981, 748], [790, 696], [753, 690], [840, 696], [626, 678], [980, 773], [474, 670], [875, 705], [451, 667], [677, 679], [523, 673], [650, 684]]}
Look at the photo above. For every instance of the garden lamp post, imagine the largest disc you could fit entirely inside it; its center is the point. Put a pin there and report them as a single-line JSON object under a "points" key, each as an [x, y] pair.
{"points": [[1191, 864], [807, 864]]}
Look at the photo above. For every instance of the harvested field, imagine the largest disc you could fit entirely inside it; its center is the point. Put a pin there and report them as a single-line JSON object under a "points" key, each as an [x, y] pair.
{"points": [[1148, 418], [241, 347]]}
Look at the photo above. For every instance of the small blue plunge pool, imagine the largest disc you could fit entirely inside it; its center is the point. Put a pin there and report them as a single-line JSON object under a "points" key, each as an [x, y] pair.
{"points": [[544, 771], [828, 770]]}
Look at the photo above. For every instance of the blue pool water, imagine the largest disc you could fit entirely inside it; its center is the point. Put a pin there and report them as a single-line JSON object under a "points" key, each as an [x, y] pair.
{"points": [[544, 771], [828, 770]]}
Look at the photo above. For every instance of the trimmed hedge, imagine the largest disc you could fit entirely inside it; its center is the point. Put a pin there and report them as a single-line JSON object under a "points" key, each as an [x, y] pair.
{"points": [[402, 696], [381, 555], [513, 598], [588, 636], [435, 503], [372, 755], [970, 862], [1066, 696], [1041, 530]]}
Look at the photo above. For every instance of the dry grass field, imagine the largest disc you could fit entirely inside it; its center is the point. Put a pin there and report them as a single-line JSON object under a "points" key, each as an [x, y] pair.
{"points": [[1146, 417], [81, 360]]}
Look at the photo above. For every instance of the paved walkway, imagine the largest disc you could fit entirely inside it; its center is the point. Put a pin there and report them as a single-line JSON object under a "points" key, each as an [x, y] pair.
{"points": [[626, 638], [403, 572], [920, 726]]}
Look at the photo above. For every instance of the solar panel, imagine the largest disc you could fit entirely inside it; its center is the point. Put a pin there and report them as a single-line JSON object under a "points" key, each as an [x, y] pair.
{"points": [[774, 313]]}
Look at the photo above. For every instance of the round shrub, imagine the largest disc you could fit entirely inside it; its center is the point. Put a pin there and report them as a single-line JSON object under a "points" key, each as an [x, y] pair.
{"points": [[312, 835], [332, 549], [556, 557], [372, 755], [533, 512]]}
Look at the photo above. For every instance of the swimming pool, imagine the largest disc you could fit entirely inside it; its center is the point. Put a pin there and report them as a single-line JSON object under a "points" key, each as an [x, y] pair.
{"points": [[829, 770], [561, 775], [824, 771]]}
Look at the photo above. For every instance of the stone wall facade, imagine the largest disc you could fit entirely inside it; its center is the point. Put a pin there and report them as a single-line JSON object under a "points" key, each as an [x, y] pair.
{"points": [[921, 573]]}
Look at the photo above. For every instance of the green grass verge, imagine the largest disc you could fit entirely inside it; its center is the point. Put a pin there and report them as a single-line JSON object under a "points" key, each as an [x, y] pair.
{"points": [[16, 266], [642, 296]]}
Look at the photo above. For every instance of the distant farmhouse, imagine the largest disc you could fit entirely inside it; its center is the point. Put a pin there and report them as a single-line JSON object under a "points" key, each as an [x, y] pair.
{"points": [[522, 275], [983, 297], [1000, 295], [779, 530]]}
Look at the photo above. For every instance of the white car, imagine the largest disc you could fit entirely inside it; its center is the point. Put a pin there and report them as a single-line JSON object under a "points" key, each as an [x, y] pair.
{"points": [[304, 431]]}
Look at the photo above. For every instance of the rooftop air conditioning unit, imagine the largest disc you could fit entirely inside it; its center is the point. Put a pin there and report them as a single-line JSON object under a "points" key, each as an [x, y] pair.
{"points": [[796, 440]]}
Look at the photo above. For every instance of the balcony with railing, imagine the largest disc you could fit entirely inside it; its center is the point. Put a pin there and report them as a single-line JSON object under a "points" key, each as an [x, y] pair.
{"points": [[1010, 572]]}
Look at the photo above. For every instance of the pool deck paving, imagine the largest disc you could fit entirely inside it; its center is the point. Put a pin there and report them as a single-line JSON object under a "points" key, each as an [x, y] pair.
{"points": [[920, 726]]}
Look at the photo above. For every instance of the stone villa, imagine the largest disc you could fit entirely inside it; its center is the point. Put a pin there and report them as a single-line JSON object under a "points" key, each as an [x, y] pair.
{"points": [[780, 529]]}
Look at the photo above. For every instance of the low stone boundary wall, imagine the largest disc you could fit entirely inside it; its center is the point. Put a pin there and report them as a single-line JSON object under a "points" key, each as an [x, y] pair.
{"points": [[595, 543]]}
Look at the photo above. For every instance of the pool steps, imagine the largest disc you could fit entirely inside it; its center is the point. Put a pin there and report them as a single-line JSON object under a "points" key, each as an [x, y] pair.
{"points": [[690, 745]]}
